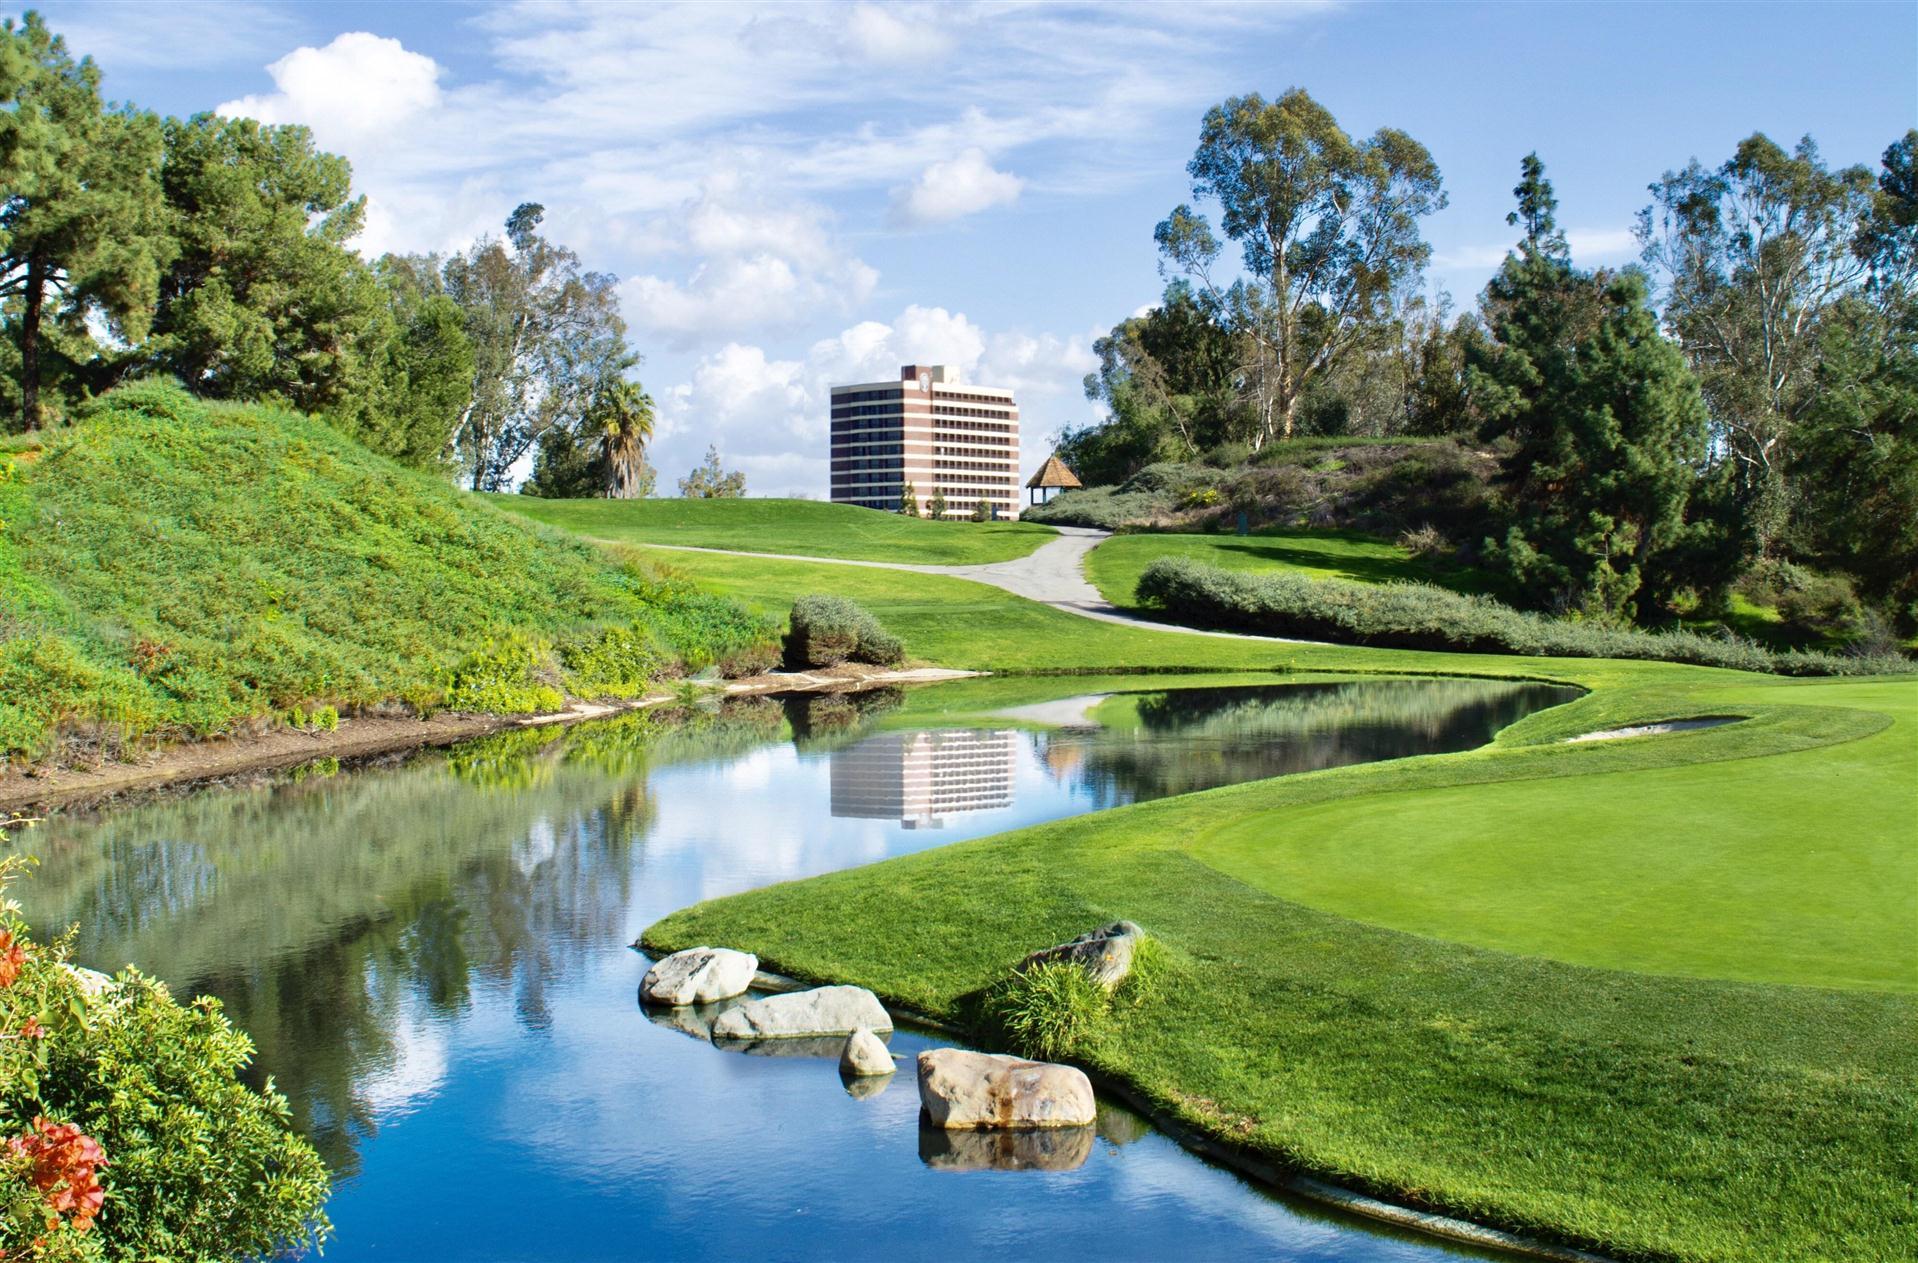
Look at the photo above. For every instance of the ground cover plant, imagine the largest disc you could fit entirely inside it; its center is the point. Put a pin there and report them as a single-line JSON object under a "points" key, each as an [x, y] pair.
{"points": [[1424, 616], [804, 527], [171, 566], [1611, 1067]]}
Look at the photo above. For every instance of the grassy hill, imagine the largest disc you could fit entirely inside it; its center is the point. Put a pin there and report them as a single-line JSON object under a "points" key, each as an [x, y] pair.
{"points": [[804, 527], [171, 567]]}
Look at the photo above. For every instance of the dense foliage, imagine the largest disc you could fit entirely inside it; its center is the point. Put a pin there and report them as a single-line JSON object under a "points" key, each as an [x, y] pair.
{"points": [[129, 1134], [217, 251], [1421, 616], [1745, 398], [828, 630], [176, 566]]}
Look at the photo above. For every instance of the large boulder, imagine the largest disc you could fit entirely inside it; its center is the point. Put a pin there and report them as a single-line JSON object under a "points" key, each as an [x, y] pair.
{"points": [[699, 975], [1105, 953], [972, 1091], [798, 1014], [1048, 1149], [865, 1054]]}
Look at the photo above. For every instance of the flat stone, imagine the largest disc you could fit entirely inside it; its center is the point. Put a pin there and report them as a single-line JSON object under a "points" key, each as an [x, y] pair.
{"points": [[799, 1014], [865, 1054], [1105, 953], [699, 975], [966, 1091]]}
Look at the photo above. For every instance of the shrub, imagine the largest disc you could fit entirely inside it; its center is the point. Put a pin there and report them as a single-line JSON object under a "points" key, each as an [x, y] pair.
{"points": [[1049, 1011], [128, 1132], [829, 630], [1420, 616]]}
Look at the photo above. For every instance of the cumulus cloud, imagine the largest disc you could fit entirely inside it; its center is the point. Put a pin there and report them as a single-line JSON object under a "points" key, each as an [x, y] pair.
{"points": [[960, 186], [358, 84], [759, 265]]}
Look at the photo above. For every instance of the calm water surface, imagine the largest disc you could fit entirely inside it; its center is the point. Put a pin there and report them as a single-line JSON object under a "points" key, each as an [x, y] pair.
{"points": [[432, 956]]}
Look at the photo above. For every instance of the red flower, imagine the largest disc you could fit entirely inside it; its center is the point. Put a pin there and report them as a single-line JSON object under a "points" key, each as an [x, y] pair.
{"points": [[12, 957], [33, 1029], [66, 1166]]}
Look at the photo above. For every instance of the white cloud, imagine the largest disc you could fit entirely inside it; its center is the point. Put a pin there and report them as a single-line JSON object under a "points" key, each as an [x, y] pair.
{"points": [[760, 266], [181, 36], [358, 85], [960, 186], [881, 35], [1602, 245]]}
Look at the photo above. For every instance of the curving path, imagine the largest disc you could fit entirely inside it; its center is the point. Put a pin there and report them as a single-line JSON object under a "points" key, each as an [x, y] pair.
{"points": [[1051, 574]]}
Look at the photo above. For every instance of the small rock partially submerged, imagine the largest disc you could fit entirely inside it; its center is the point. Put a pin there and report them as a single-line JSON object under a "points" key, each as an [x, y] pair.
{"points": [[820, 1011], [865, 1054], [699, 975], [970, 1091], [1105, 953]]}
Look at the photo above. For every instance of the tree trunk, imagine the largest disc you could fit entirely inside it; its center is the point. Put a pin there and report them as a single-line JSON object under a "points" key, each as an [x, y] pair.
{"points": [[30, 343]]}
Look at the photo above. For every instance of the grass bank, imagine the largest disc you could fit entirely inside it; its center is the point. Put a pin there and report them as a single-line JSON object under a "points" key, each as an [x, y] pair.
{"points": [[176, 568], [1651, 997], [804, 527], [1114, 566]]}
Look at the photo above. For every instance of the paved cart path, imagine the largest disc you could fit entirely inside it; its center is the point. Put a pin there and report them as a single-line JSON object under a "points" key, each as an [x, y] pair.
{"points": [[1051, 574]]}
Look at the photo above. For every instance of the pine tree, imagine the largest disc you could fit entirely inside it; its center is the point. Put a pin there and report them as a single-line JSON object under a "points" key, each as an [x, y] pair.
{"points": [[937, 505], [909, 501], [82, 225], [1605, 420]]}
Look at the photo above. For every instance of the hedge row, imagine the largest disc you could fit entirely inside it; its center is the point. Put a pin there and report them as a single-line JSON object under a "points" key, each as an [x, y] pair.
{"points": [[1420, 616]]}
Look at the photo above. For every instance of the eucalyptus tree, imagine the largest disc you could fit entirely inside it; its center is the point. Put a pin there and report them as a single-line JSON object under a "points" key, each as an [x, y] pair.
{"points": [[82, 229], [546, 336], [710, 480], [1750, 256], [1328, 238]]}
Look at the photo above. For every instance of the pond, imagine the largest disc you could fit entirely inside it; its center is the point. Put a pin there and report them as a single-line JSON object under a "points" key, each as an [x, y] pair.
{"points": [[432, 955]]}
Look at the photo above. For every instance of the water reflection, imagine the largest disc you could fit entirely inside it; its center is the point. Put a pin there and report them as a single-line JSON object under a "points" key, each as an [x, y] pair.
{"points": [[922, 778], [1050, 1149], [430, 955]]}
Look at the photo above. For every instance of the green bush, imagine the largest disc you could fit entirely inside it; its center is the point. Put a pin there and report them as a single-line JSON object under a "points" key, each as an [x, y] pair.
{"points": [[828, 630], [196, 1164], [1420, 616]]}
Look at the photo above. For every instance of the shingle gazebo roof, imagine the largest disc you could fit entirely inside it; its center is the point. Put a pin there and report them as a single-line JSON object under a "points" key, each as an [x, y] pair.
{"points": [[1054, 474]]}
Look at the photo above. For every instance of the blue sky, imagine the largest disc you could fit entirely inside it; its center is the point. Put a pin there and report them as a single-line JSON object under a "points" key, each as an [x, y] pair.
{"points": [[795, 195]]}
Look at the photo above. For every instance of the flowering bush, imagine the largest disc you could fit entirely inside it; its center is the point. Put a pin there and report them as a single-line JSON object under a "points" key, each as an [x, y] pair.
{"points": [[125, 1131]]}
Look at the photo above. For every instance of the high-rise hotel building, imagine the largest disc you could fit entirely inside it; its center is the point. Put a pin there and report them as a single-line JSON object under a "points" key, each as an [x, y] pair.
{"points": [[928, 430]]}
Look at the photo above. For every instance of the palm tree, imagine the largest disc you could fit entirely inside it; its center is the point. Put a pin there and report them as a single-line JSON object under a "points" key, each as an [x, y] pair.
{"points": [[626, 423]]}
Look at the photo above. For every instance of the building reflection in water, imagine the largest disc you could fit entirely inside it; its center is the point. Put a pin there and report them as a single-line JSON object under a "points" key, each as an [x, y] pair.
{"points": [[922, 778]]}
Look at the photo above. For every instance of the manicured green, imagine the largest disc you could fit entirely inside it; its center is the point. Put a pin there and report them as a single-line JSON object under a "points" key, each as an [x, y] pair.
{"points": [[1115, 566], [1651, 996], [172, 566], [807, 528]]}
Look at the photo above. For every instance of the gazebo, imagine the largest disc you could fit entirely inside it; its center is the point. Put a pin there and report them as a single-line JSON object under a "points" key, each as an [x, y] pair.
{"points": [[1052, 476]]}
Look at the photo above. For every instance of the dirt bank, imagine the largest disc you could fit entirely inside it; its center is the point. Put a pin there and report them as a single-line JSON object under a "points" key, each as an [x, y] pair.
{"points": [[27, 791]]}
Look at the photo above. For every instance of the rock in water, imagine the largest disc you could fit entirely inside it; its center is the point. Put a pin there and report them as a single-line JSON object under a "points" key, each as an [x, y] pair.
{"points": [[865, 1054], [1048, 1149], [972, 1091], [1104, 953], [821, 1011], [699, 975]]}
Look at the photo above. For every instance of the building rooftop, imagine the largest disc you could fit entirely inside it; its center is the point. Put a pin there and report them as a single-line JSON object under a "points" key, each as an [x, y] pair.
{"points": [[1055, 474]]}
